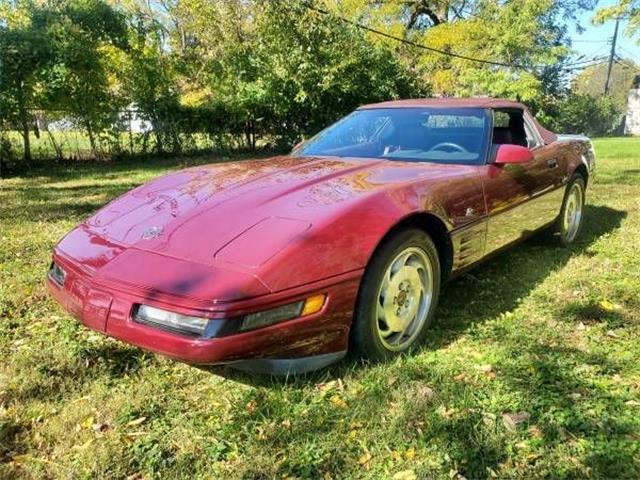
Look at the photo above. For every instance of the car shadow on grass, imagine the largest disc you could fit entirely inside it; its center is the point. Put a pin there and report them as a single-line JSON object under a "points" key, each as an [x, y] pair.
{"points": [[494, 287], [553, 383]]}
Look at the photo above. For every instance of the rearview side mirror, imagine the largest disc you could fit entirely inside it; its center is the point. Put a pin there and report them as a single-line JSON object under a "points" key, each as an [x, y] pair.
{"points": [[508, 154]]}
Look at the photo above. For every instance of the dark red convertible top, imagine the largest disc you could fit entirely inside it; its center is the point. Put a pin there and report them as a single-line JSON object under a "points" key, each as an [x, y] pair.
{"points": [[474, 102]]}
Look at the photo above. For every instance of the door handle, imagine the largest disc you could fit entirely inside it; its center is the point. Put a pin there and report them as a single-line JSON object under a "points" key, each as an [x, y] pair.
{"points": [[552, 163]]}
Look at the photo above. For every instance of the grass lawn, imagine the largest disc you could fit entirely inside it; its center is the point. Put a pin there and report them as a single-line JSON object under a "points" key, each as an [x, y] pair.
{"points": [[552, 334]]}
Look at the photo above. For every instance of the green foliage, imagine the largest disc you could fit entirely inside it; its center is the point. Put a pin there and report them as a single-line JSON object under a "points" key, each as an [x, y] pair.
{"points": [[628, 9], [527, 33], [249, 72], [584, 114], [309, 70], [590, 81], [55, 56]]}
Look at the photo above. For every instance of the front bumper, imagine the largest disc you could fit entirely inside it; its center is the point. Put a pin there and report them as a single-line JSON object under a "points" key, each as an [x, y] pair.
{"points": [[296, 345]]}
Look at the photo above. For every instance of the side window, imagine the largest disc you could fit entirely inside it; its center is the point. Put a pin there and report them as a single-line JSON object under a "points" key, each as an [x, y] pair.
{"points": [[509, 128]]}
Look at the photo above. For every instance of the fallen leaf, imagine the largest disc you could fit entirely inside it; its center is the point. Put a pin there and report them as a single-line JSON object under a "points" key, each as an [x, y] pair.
{"points": [[607, 305], [337, 401], [446, 412], [324, 387], [512, 420], [405, 475], [574, 396], [137, 421], [426, 393], [632, 403], [87, 422], [410, 454], [460, 377], [489, 419], [365, 458], [486, 368], [20, 459], [581, 326], [251, 406], [535, 431], [612, 334]]}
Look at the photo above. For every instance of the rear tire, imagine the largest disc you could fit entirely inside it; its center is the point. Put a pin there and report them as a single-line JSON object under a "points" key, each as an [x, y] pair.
{"points": [[398, 296], [570, 220]]}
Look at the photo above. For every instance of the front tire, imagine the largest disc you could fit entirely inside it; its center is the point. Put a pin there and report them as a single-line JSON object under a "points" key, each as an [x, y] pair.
{"points": [[398, 296], [571, 216]]}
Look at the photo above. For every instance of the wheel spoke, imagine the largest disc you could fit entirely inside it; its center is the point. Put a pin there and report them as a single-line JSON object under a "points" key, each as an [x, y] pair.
{"points": [[404, 298]]}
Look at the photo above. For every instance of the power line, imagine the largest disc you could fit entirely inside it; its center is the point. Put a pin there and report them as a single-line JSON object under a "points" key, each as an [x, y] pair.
{"points": [[580, 62], [444, 52], [575, 69], [628, 52], [417, 45], [624, 63], [437, 50]]}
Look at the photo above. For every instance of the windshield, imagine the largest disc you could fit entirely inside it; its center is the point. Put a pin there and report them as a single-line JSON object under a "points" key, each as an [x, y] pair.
{"points": [[443, 135]]}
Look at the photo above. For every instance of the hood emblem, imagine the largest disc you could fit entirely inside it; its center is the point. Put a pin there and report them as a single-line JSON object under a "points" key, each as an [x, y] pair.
{"points": [[151, 232]]}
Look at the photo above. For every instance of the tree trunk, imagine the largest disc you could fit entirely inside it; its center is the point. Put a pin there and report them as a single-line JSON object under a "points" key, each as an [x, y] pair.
{"points": [[55, 144], [92, 141], [24, 120], [157, 132], [44, 125]]}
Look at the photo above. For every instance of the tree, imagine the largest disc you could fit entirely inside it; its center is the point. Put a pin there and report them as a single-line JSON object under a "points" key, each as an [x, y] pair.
{"points": [[54, 56], [584, 114], [26, 53], [629, 9], [590, 81], [85, 37], [529, 34]]}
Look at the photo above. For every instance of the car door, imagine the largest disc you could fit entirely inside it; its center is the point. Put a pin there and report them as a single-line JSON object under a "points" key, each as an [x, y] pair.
{"points": [[519, 197]]}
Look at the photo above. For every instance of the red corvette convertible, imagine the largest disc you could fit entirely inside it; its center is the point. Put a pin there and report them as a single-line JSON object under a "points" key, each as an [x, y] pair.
{"points": [[283, 265]]}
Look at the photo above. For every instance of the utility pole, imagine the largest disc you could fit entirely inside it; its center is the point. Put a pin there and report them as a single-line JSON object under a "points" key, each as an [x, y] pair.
{"points": [[611, 55]]}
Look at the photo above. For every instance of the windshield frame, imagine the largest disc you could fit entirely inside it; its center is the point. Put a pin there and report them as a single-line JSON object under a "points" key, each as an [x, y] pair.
{"points": [[483, 151]]}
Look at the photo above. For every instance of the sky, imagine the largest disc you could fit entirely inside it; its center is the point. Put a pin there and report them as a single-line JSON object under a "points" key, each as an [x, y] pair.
{"points": [[595, 40]]}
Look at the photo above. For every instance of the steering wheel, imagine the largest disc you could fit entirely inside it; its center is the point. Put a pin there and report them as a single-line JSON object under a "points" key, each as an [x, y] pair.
{"points": [[455, 146]]}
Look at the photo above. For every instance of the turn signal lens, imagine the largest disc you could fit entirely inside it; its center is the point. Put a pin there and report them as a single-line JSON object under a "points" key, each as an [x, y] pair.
{"points": [[313, 304]]}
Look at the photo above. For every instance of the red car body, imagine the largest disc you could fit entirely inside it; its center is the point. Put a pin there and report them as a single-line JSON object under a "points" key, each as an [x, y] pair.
{"points": [[224, 240]]}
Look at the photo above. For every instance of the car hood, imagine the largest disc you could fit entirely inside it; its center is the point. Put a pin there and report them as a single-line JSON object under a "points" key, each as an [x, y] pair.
{"points": [[194, 213], [259, 226]]}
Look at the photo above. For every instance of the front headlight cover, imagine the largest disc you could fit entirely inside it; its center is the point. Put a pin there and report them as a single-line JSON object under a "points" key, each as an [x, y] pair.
{"points": [[165, 319]]}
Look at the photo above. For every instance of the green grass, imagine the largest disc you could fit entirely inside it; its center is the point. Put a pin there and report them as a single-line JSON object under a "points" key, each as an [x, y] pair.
{"points": [[548, 331]]}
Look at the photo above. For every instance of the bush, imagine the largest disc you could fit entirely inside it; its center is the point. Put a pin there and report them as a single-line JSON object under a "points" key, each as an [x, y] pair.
{"points": [[583, 114]]}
